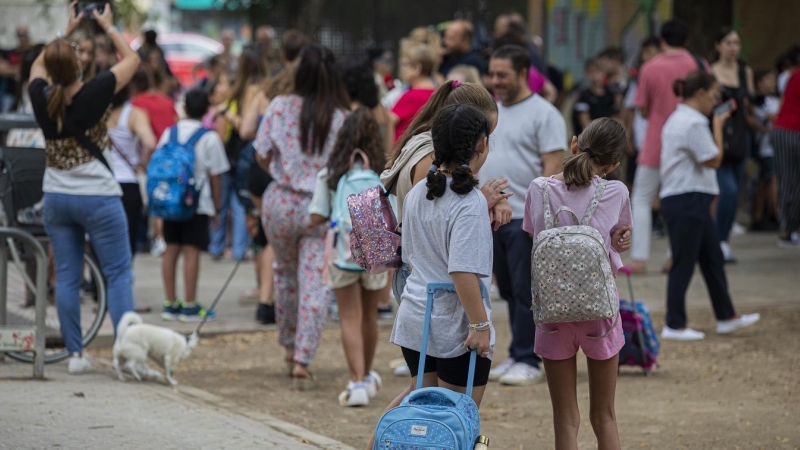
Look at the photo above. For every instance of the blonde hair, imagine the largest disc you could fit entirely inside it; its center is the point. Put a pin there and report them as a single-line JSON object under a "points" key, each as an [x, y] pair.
{"points": [[425, 35], [421, 54], [62, 67], [464, 74]]}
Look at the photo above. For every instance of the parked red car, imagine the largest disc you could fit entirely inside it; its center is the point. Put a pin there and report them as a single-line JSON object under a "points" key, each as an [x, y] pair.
{"points": [[183, 52]]}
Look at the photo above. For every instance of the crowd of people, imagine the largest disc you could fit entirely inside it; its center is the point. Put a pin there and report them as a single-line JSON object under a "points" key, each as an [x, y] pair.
{"points": [[274, 133]]}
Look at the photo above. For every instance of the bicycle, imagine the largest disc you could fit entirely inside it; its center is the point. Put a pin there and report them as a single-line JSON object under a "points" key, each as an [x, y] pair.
{"points": [[21, 175]]}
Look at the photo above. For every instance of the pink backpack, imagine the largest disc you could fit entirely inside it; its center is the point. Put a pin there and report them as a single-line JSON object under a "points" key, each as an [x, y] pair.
{"points": [[374, 239]]}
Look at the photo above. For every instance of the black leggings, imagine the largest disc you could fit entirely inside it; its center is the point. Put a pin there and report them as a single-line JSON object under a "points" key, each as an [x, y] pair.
{"points": [[450, 370], [132, 202]]}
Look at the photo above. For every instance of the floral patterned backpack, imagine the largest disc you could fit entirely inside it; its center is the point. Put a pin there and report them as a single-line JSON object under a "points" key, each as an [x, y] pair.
{"points": [[570, 269]]}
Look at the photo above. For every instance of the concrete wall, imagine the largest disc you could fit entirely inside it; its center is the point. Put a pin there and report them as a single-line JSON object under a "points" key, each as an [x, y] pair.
{"points": [[42, 23]]}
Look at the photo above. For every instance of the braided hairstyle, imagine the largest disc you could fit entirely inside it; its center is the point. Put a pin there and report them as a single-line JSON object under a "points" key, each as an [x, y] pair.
{"points": [[456, 131]]}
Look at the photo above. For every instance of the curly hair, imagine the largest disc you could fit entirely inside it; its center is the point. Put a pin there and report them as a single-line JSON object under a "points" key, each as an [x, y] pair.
{"points": [[359, 131], [360, 82], [456, 131]]}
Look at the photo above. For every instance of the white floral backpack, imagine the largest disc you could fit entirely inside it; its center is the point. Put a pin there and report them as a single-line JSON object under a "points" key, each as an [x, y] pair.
{"points": [[570, 269]]}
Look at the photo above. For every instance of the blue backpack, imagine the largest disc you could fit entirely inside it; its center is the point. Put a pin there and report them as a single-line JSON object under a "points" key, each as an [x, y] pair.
{"points": [[432, 418], [172, 190], [358, 179]]}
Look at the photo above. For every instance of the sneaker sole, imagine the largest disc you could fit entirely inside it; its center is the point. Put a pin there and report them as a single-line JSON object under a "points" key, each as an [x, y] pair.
{"points": [[168, 317], [672, 338], [194, 319], [526, 382]]}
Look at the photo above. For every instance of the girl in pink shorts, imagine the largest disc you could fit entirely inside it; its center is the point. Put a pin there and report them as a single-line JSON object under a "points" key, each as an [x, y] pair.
{"points": [[595, 153]]}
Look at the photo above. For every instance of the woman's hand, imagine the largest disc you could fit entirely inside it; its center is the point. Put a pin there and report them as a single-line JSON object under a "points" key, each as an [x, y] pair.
{"points": [[106, 19], [493, 191], [74, 18], [479, 340], [501, 214], [621, 239]]}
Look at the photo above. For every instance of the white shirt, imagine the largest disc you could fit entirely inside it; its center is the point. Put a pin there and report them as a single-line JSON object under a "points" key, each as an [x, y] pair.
{"points": [[639, 122], [771, 106], [525, 131], [210, 160], [687, 143]]}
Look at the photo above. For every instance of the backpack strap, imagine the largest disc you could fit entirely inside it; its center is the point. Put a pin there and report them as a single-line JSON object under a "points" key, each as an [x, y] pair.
{"points": [[364, 158], [548, 213], [598, 194], [173, 134], [195, 137]]}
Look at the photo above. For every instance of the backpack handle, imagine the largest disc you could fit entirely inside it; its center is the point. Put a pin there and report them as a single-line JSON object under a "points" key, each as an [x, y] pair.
{"points": [[567, 209], [363, 155]]}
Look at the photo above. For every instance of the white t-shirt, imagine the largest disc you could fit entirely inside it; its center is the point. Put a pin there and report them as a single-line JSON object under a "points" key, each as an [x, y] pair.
{"points": [[525, 131], [771, 106], [639, 122], [687, 143], [210, 160], [442, 236]]}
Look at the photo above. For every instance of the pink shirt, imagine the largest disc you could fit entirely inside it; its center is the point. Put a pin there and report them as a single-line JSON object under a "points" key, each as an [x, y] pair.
{"points": [[655, 93], [407, 108], [613, 211], [279, 136]]}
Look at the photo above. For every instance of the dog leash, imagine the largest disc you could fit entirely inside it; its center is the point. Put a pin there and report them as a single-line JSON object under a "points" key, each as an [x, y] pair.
{"points": [[214, 303]]}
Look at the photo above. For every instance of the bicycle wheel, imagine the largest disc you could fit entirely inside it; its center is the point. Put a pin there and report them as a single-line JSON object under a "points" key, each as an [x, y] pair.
{"points": [[94, 305]]}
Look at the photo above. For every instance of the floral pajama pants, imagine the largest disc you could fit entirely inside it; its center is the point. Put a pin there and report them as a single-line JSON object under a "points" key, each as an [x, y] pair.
{"points": [[301, 299]]}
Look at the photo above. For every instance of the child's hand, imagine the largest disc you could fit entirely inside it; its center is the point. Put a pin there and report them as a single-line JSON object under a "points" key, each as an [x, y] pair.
{"points": [[621, 239], [479, 340], [500, 214], [493, 191]]}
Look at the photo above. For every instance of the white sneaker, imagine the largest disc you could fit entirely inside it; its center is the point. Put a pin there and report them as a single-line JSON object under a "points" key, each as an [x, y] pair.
{"points": [[400, 368], [494, 293], [499, 370], [374, 383], [738, 229], [729, 326], [521, 374], [355, 395], [159, 247], [726, 252], [687, 334], [78, 364]]}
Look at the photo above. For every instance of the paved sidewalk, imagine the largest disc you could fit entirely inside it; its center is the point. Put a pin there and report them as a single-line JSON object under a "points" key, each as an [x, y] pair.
{"points": [[96, 411]]}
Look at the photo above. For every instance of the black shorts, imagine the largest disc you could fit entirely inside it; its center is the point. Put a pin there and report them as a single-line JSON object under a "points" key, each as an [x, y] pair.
{"points": [[194, 232], [454, 371], [260, 239]]}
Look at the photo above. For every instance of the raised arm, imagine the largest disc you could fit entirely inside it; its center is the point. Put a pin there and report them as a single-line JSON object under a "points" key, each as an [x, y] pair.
{"points": [[129, 63]]}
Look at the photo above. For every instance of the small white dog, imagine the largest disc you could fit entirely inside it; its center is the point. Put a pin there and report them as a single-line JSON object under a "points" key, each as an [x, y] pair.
{"points": [[136, 341]]}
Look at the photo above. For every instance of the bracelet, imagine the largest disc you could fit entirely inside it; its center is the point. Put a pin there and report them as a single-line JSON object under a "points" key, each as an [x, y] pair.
{"points": [[112, 29], [480, 326]]}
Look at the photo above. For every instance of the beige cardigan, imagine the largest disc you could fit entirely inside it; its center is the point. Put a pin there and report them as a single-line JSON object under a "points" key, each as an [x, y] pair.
{"points": [[398, 179]]}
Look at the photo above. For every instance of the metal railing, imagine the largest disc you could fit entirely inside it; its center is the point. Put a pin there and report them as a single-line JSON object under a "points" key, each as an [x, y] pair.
{"points": [[41, 292]]}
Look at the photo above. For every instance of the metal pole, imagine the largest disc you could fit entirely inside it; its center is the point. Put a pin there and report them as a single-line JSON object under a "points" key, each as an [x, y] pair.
{"points": [[41, 291], [3, 287]]}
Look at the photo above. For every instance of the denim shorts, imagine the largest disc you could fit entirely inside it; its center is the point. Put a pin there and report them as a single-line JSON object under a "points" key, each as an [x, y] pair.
{"points": [[399, 282]]}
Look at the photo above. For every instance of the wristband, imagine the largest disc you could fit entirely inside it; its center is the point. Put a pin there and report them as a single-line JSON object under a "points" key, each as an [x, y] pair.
{"points": [[480, 326]]}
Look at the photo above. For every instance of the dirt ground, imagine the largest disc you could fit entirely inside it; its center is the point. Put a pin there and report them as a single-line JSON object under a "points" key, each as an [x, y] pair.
{"points": [[736, 392]]}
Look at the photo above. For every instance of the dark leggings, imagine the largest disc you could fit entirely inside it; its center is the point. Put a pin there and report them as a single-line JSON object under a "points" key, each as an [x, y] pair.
{"points": [[132, 203]]}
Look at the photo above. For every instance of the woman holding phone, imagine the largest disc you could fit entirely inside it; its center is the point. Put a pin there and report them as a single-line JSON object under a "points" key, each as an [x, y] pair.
{"points": [[81, 195], [689, 157]]}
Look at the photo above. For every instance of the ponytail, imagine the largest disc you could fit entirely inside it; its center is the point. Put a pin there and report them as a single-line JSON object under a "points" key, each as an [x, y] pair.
{"points": [[437, 181], [601, 143], [579, 170], [678, 86], [694, 82], [57, 105], [457, 130]]}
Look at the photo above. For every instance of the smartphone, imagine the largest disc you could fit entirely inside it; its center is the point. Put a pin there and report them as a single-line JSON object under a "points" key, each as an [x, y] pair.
{"points": [[730, 105], [85, 10]]}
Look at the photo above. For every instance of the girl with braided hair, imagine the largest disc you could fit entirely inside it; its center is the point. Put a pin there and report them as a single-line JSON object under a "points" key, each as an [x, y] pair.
{"points": [[447, 235]]}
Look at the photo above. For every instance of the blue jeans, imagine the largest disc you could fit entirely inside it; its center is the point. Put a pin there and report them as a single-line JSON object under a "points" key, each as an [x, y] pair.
{"points": [[230, 205], [730, 178], [67, 220]]}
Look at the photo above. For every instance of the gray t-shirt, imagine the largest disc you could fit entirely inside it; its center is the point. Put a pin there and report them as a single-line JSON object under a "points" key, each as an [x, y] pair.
{"points": [[442, 236], [686, 143], [525, 131]]}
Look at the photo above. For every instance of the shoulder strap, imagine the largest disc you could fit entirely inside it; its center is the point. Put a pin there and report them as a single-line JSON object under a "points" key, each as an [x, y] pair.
{"points": [[196, 136], [743, 78], [598, 194], [121, 154], [700, 64], [90, 146], [173, 134], [548, 212]]}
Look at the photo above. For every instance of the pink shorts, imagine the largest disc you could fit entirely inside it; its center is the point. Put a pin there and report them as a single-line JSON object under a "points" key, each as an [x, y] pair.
{"points": [[568, 337]]}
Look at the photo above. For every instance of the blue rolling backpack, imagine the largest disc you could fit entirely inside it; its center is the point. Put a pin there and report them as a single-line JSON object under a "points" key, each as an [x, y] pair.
{"points": [[432, 418]]}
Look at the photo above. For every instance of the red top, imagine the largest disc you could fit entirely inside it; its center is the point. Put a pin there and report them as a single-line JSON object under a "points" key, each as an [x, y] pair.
{"points": [[407, 108], [160, 109], [789, 115]]}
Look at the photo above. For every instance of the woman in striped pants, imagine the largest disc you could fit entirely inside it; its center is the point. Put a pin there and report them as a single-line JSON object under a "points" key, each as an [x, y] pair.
{"points": [[786, 141]]}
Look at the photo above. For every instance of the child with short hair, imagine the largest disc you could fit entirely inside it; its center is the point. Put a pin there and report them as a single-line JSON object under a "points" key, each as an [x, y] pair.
{"points": [[596, 153], [767, 105], [595, 101], [357, 292], [191, 237]]}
